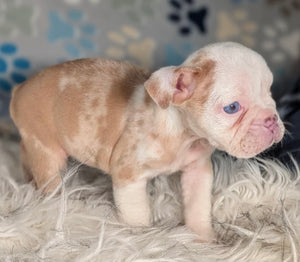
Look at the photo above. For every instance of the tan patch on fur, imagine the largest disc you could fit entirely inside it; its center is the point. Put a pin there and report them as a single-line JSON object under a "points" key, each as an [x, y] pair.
{"points": [[140, 122], [197, 59], [38, 92], [205, 79], [125, 176], [148, 100], [154, 135], [95, 103], [88, 117], [122, 88], [100, 105], [65, 113], [165, 100]]}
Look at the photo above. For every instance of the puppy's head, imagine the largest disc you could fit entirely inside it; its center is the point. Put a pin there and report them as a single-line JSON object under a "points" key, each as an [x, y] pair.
{"points": [[223, 93]]}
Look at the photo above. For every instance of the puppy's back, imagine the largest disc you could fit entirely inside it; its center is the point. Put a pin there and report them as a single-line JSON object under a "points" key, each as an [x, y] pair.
{"points": [[76, 103]]}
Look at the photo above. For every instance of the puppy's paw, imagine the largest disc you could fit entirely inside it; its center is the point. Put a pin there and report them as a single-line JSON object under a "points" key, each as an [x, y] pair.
{"points": [[206, 237], [204, 231], [136, 216]]}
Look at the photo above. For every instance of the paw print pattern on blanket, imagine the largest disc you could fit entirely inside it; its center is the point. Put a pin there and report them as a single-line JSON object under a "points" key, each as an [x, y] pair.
{"points": [[136, 10], [129, 44], [17, 17], [12, 68], [78, 2], [72, 29], [281, 43], [188, 16], [286, 8], [236, 26]]}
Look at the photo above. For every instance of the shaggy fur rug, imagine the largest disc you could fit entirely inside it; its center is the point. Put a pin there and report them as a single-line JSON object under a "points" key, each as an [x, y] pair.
{"points": [[256, 216]]}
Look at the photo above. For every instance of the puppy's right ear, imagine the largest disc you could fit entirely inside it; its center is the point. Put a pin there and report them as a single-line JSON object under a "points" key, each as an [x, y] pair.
{"points": [[172, 84], [158, 86]]}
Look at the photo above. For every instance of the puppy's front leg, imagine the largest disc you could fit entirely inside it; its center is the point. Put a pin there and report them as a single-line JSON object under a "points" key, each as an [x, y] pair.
{"points": [[132, 203], [196, 182]]}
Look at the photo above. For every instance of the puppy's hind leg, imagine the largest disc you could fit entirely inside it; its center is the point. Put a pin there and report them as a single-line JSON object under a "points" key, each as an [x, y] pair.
{"points": [[42, 164]]}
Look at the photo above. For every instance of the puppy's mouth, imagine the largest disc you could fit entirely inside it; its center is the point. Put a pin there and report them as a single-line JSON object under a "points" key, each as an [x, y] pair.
{"points": [[258, 139]]}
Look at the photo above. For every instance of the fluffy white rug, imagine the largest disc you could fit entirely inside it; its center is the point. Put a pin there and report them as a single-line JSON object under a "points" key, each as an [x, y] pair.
{"points": [[255, 212]]}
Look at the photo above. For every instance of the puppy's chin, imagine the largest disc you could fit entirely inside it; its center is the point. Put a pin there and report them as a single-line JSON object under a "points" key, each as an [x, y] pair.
{"points": [[250, 152], [254, 143], [245, 155]]}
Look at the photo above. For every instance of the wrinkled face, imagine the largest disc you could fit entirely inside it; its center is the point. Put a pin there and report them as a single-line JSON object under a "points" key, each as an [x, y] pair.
{"points": [[242, 119], [240, 115], [223, 90]]}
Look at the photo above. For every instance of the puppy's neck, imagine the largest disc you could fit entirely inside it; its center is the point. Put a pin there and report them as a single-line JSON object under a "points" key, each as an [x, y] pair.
{"points": [[171, 121], [166, 141]]}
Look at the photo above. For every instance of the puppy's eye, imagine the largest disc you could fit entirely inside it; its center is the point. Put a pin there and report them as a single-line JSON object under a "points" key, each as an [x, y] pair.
{"points": [[232, 108]]}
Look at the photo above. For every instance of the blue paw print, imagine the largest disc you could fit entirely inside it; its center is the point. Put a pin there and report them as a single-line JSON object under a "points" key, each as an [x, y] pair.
{"points": [[175, 56], [72, 30], [11, 67], [186, 16]]}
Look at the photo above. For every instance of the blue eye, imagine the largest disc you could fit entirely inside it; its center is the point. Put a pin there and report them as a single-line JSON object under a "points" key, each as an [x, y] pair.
{"points": [[232, 108]]}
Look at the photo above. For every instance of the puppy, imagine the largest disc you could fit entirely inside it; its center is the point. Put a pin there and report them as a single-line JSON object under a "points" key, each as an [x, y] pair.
{"points": [[133, 125]]}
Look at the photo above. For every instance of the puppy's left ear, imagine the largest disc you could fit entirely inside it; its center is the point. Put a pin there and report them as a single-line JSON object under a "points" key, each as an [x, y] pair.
{"points": [[172, 84]]}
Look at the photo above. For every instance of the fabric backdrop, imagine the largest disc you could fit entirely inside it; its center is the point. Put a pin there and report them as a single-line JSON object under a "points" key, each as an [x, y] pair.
{"points": [[36, 34]]}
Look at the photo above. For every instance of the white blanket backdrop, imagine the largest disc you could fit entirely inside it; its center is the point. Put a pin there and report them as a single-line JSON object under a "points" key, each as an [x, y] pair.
{"points": [[256, 216]]}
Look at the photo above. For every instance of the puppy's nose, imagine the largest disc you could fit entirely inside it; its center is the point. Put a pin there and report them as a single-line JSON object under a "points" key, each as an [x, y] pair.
{"points": [[271, 122]]}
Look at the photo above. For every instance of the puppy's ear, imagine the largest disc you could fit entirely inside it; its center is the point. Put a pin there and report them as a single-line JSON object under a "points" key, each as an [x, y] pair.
{"points": [[172, 85]]}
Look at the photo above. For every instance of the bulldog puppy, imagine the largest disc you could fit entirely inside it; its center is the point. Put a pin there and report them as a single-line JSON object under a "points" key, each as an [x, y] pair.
{"points": [[133, 125]]}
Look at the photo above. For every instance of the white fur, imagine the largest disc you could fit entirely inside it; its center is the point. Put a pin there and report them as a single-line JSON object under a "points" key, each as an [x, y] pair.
{"points": [[131, 200], [138, 97], [196, 186], [171, 120], [165, 76], [66, 81], [241, 75], [256, 216]]}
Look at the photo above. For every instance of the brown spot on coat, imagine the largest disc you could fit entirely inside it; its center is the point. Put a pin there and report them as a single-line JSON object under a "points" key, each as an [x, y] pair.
{"points": [[140, 122], [95, 103], [121, 90], [198, 59], [205, 80]]}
